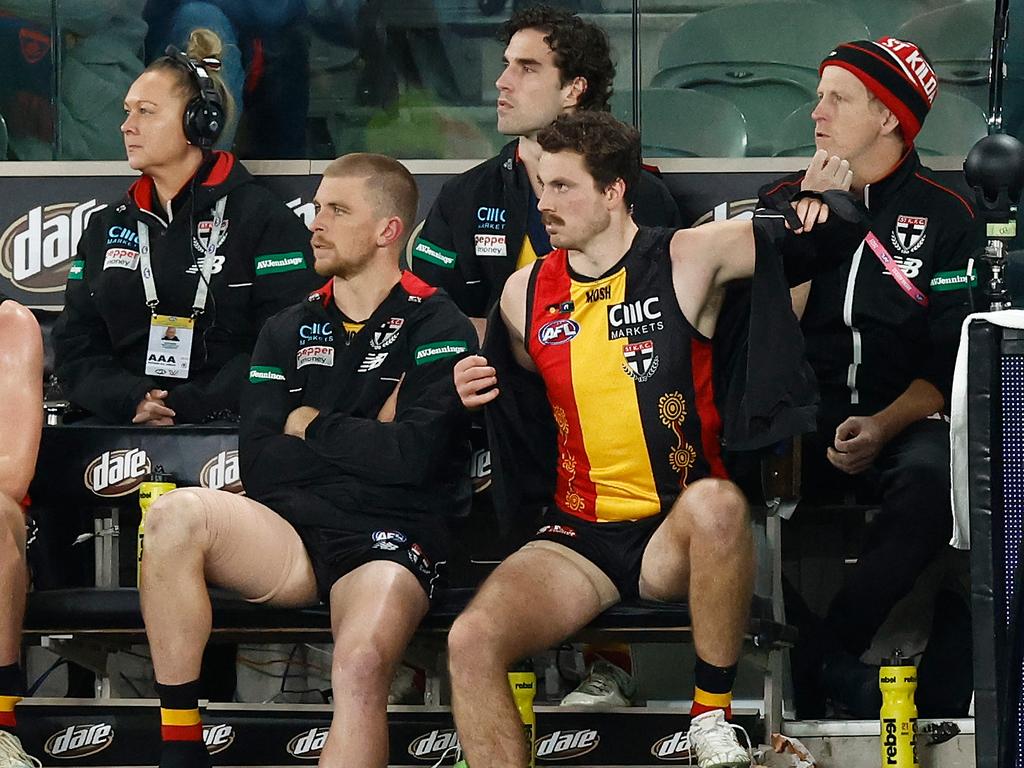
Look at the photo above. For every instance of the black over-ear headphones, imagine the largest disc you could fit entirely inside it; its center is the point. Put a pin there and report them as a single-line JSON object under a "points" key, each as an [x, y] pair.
{"points": [[204, 116]]}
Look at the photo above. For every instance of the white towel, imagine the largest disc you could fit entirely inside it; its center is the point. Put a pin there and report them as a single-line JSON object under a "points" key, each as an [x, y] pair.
{"points": [[959, 473]]}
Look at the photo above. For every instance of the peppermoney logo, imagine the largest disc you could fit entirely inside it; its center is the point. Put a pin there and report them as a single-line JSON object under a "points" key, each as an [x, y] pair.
{"points": [[565, 745], [222, 473], [36, 249], [117, 473], [308, 744], [217, 738], [674, 747], [431, 746], [732, 209], [79, 741]]}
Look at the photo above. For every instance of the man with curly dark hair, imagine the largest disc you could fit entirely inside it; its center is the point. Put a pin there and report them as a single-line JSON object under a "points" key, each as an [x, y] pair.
{"points": [[485, 224]]}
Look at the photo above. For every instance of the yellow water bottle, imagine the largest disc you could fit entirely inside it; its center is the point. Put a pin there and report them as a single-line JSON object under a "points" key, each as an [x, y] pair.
{"points": [[156, 485], [524, 686], [897, 679]]}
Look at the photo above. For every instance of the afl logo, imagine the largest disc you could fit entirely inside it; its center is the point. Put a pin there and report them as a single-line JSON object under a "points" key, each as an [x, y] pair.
{"points": [[560, 331]]}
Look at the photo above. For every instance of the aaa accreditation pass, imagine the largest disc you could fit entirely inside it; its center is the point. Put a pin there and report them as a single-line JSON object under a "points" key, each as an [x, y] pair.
{"points": [[170, 346]]}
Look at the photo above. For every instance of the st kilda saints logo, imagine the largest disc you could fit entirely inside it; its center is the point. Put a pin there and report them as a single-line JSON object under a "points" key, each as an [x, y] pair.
{"points": [[640, 361], [909, 233], [308, 745], [37, 248], [431, 746], [79, 740], [221, 473], [218, 737], [387, 333], [567, 744], [117, 473]]}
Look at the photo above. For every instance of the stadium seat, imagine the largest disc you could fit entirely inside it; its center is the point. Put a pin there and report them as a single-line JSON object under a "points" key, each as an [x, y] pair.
{"points": [[668, 130], [951, 129], [884, 17], [958, 41], [727, 52]]}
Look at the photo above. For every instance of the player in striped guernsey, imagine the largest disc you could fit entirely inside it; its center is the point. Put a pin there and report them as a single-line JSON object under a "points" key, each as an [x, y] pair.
{"points": [[618, 322]]}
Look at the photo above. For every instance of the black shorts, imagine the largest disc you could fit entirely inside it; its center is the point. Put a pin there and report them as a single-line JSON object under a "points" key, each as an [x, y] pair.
{"points": [[335, 553], [616, 548]]}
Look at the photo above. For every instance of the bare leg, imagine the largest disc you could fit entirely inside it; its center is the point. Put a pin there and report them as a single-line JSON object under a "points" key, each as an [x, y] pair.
{"points": [[534, 599], [13, 579], [705, 550], [195, 536], [21, 417], [375, 610]]}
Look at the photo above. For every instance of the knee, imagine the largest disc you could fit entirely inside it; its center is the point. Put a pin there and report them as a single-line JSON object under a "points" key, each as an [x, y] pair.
{"points": [[715, 511], [361, 669], [175, 523], [12, 530], [472, 643]]}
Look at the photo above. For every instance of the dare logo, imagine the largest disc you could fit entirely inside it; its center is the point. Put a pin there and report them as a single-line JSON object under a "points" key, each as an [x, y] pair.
{"points": [[433, 745], [565, 745], [117, 473], [671, 748], [36, 249], [217, 738], [308, 744], [222, 473], [79, 741]]}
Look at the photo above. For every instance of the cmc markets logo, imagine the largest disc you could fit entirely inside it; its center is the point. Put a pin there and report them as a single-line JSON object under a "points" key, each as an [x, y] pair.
{"points": [[117, 473], [431, 746], [221, 473], [565, 745], [733, 209], [217, 738], [674, 747], [36, 249], [79, 741], [308, 744]]}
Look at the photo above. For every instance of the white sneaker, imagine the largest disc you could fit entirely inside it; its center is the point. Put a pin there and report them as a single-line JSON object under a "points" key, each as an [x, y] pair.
{"points": [[714, 741], [13, 755], [606, 685]]}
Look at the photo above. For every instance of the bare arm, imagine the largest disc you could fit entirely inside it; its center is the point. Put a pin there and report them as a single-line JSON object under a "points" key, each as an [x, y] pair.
{"points": [[859, 439], [475, 380]]}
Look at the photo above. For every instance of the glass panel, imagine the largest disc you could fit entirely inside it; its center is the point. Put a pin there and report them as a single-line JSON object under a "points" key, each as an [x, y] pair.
{"points": [[27, 64], [716, 58]]}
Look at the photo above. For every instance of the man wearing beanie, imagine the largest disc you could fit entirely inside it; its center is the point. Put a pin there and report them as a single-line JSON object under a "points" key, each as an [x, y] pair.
{"points": [[882, 333]]}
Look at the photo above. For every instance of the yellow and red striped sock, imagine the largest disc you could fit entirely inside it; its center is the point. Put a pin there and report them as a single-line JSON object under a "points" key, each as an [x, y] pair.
{"points": [[712, 688], [7, 718], [179, 712]]}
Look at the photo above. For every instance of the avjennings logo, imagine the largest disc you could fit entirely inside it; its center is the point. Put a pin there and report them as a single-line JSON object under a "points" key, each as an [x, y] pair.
{"points": [[565, 745], [117, 473], [222, 473], [36, 249], [308, 744], [79, 740], [431, 746]]}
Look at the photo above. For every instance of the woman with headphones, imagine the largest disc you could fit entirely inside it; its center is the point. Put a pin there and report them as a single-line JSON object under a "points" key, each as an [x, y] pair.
{"points": [[195, 247]]}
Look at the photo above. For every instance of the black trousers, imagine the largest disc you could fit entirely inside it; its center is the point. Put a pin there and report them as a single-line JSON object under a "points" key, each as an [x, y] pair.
{"points": [[910, 482]]}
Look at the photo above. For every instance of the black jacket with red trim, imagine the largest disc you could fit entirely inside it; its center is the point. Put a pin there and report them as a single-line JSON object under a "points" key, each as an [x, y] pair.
{"points": [[262, 264], [351, 470], [490, 201], [867, 339]]}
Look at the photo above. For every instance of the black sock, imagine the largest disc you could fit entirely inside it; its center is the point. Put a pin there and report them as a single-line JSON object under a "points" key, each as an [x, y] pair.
{"points": [[12, 686], [181, 727], [712, 688]]}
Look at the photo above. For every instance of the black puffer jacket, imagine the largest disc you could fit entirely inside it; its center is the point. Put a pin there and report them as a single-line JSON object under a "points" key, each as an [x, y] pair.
{"points": [[262, 265]]}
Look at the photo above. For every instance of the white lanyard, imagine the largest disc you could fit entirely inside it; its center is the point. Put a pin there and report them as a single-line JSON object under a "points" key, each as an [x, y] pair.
{"points": [[209, 254]]}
